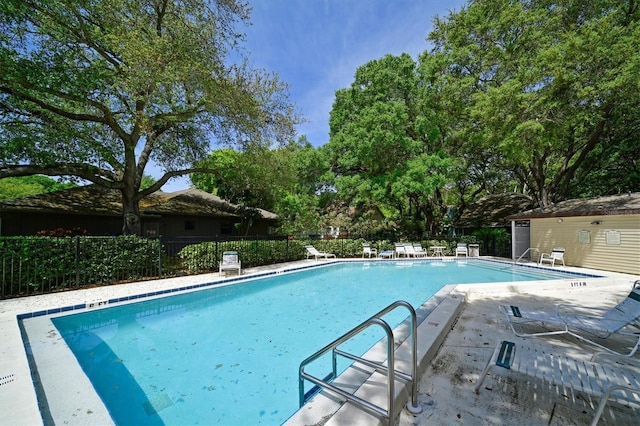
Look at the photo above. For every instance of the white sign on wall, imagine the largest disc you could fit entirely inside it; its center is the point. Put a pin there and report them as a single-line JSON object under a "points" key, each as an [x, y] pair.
{"points": [[584, 236], [613, 238]]}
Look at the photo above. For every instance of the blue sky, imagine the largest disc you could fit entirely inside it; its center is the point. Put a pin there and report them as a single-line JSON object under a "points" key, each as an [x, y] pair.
{"points": [[316, 46]]}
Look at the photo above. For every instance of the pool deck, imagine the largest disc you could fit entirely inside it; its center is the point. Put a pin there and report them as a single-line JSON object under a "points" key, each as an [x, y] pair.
{"points": [[446, 393], [446, 390]]}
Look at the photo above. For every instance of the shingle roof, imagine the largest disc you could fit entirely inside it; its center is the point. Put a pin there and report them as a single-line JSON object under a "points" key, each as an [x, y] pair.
{"points": [[493, 210], [99, 201], [597, 206]]}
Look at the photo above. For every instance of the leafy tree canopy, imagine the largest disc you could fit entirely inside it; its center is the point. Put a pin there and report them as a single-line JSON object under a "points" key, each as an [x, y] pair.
{"points": [[17, 187], [539, 89], [286, 180], [99, 89], [384, 148]]}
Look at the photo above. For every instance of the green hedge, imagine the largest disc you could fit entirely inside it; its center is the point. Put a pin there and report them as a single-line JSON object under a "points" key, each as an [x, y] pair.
{"points": [[43, 264], [206, 256]]}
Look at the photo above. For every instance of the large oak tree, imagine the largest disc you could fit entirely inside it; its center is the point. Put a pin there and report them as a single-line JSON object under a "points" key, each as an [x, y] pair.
{"points": [[100, 89], [545, 91], [386, 148]]}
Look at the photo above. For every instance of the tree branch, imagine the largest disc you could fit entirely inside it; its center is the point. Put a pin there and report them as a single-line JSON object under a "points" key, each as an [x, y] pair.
{"points": [[168, 175], [102, 177], [59, 111]]}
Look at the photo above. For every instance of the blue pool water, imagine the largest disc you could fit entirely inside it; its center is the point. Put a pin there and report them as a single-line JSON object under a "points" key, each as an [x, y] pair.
{"points": [[230, 354]]}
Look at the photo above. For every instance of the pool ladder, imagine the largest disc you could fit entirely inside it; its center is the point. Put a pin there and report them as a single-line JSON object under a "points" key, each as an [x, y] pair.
{"points": [[527, 251], [391, 372]]}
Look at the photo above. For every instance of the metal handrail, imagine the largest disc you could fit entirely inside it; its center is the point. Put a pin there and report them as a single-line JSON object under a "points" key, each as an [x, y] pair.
{"points": [[389, 369], [525, 252]]}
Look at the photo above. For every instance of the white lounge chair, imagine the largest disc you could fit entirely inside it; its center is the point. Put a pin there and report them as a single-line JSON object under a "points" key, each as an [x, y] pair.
{"points": [[557, 254], [230, 262], [311, 251], [622, 320], [620, 381], [461, 249], [368, 250], [409, 251], [400, 250], [420, 252]]}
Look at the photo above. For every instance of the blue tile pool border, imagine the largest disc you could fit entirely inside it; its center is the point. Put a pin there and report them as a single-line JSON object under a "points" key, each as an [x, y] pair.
{"points": [[169, 291], [82, 306]]}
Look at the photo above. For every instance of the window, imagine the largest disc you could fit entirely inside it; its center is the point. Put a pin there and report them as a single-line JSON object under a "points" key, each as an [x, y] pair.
{"points": [[226, 229], [151, 230]]}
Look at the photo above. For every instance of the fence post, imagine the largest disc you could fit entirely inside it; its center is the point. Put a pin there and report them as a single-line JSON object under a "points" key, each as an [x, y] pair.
{"points": [[160, 256], [77, 261]]}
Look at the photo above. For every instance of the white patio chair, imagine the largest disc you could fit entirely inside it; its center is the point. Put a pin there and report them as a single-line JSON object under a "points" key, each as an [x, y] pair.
{"points": [[557, 254], [615, 380], [419, 251], [409, 250], [400, 250], [461, 249], [368, 250], [584, 323], [230, 262]]}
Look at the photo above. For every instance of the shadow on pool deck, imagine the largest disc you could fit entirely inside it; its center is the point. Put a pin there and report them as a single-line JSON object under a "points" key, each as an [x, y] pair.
{"points": [[446, 390]]}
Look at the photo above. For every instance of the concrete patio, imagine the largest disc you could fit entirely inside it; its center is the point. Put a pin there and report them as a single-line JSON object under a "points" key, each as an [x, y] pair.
{"points": [[446, 389]]}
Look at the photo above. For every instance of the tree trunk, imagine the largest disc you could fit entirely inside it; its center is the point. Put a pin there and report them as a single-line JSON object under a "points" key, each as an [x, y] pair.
{"points": [[131, 214]]}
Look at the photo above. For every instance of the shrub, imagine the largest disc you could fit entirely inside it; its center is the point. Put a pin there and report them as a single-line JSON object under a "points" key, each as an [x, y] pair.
{"points": [[205, 256], [40, 264]]}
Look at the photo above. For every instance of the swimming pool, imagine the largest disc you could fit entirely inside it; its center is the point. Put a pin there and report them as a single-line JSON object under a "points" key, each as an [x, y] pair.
{"points": [[229, 355]]}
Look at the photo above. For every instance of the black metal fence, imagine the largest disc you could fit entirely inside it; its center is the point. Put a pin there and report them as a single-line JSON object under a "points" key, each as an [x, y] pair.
{"points": [[39, 265]]}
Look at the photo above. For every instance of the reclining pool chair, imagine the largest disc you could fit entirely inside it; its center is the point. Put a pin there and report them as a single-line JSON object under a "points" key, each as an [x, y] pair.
{"points": [[419, 251], [557, 254], [622, 320], [409, 250], [606, 380], [400, 250], [230, 262], [311, 251]]}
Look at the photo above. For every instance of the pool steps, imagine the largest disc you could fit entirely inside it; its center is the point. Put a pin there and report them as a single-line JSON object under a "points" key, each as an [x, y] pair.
{"points": [[379, 365], [434, 325]]}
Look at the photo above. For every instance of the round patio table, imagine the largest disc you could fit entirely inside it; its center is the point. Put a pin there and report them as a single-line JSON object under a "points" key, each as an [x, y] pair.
{"points": [[438, 250]]}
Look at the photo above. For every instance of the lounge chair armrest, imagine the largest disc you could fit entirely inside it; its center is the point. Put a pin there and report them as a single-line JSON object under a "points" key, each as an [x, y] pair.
{"points": [[605, 400]]}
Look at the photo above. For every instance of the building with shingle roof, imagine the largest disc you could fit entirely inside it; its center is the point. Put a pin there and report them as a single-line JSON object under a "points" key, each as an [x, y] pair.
{"points": [[493, 210], [187, 213], [599, 232]]}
